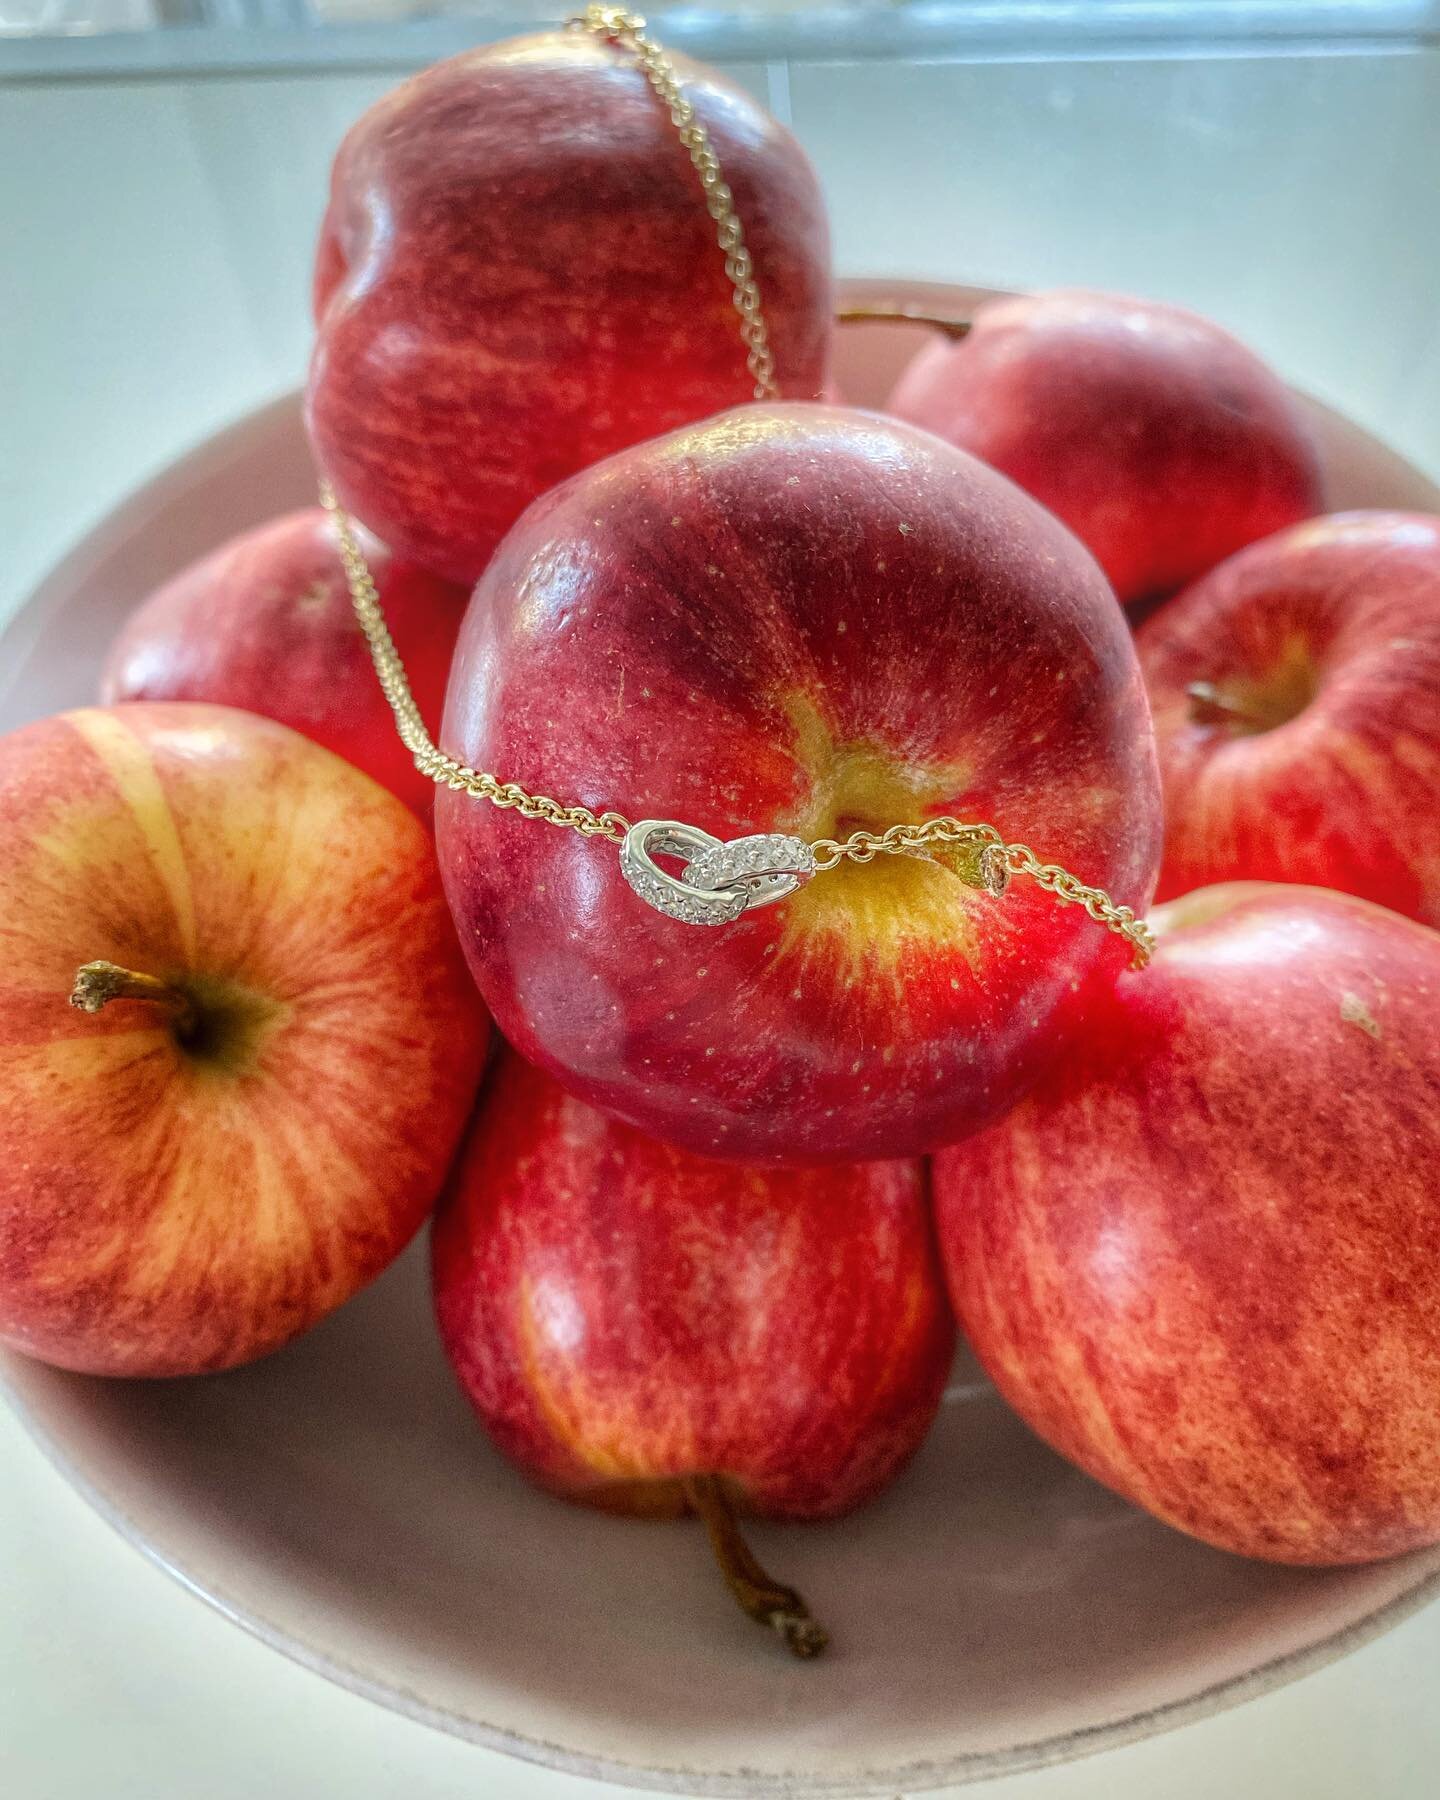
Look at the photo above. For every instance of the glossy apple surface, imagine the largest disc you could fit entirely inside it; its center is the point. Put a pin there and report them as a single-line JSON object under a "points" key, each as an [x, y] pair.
{"points": [[265, 624], [1296, 692], [623, 1315], [808, 620], [1203, 1259], [181, 1200], [517, 275], [1161, 441]]}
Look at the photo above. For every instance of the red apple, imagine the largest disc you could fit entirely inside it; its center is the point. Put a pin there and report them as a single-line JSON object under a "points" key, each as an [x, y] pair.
{"points": [[517, 275], [259, 1118], [1161, 442], [1203, 1258], [648, 1332], [1297, 706], [265, 623], [796, 619]]}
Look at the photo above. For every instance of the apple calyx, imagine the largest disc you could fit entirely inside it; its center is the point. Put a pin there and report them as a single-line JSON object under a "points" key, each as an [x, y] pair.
{"points": [[98, 983], [758, 1595]]}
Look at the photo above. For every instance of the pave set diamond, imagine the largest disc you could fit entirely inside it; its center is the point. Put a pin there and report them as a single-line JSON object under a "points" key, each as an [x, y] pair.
{"points": [[666, 893], [720, 881], [766, 868]]}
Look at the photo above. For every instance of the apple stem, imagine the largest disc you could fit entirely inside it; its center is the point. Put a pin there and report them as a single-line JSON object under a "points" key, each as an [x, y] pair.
{"points": [[765, 1600], [1209, 706], [904, 315], [98, 983]]}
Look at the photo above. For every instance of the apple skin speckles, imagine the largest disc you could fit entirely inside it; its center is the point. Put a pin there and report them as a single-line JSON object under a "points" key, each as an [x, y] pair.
{"points": [[604, 661], [517, 276], [169, 1208], [1203, 1261], [623, 1315], [1321, 762]]}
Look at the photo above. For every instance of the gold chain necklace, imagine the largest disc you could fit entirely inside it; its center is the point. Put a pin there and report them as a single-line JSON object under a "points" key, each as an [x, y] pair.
{"points": [[720, 880]]}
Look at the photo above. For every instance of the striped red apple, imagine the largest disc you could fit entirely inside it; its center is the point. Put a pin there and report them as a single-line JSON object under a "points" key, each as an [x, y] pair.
{"points": [[1296, 692], [517, 275], [1162, 442], [265, 623], [807, 620], [651, 1333], [1203, 1257], [250, 1109]]}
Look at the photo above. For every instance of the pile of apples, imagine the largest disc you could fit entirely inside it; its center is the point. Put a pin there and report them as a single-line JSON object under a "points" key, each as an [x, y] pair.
{"points": [[705, 1228]]}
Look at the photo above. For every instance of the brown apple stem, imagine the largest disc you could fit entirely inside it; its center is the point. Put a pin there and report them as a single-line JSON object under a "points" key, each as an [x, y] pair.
{"points": [[1208, 706], [765, 1600], [98, 983], [904, 315]]}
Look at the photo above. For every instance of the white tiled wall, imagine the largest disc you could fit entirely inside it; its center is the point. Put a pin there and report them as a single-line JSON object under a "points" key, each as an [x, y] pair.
{"points": [[157, 233]]}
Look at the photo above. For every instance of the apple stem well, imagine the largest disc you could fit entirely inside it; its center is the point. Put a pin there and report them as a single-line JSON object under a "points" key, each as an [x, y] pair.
{"points": [[216, 1021], [1211, 705], [98, 983], [762, 1598]]}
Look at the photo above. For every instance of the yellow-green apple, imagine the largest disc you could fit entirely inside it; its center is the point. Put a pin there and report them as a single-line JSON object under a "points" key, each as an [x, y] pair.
{"points": [[1296, 692], [265, 623], [517, 275], [650, 1332], [1203, 1258], [250, 1105], [1161, 441], [796, 619]]}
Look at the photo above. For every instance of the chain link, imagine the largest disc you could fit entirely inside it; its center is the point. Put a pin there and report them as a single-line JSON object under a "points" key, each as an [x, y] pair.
{"points": [[901, 840], [1069, 890], [627, 30], [443, 770], [1019, 859]]}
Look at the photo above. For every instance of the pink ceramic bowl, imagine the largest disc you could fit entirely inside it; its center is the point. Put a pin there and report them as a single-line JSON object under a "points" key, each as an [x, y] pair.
{"points": [[995, 1611]]}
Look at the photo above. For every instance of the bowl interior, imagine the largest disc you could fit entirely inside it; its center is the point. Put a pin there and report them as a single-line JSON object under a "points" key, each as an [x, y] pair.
{"points": [[996, 1609]]}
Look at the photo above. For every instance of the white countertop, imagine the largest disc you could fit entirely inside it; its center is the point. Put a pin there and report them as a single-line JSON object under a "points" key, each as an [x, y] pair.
{"points": [[157, 239]]}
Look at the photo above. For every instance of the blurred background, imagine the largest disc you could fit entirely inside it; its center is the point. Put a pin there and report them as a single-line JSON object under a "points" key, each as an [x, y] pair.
{"points": [[163, 166]]}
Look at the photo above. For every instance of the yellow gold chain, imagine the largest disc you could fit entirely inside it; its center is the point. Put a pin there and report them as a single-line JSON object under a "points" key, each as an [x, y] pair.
{"points": [[991, 852], [443, 770], [627, 29], [1016, 859], [1069, 890], [901, 840]]}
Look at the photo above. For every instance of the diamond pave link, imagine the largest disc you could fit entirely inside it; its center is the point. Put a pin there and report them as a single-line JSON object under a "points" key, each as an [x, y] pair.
{"points": [[666, 893], [765, 868], [719, 881]]}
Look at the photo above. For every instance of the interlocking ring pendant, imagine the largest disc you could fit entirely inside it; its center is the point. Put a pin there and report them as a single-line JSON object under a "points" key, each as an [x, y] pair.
{"points": [[719, 881]]}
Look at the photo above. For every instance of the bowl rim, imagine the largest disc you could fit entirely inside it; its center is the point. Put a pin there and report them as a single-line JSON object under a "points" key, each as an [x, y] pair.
{"points": [[200, 460], [924, 1776]]}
